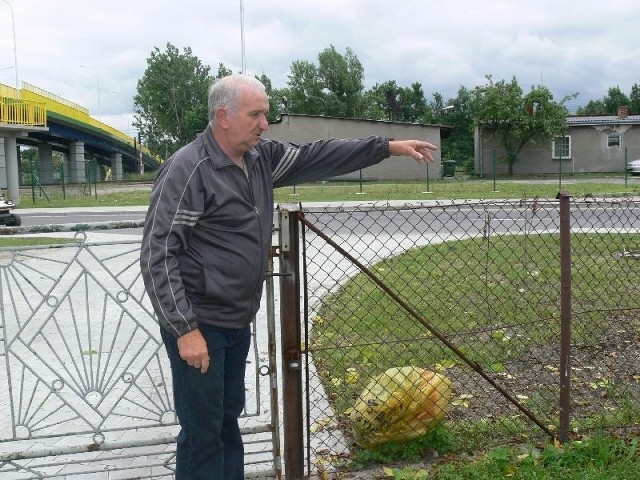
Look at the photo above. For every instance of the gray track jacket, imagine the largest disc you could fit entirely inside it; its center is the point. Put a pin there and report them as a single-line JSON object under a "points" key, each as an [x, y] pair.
{"points": [[208, 229]]}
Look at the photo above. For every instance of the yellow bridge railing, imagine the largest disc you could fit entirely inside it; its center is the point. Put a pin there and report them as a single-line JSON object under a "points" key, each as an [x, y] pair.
{"points": [[68, 109], [29, 106], [18, 111]]}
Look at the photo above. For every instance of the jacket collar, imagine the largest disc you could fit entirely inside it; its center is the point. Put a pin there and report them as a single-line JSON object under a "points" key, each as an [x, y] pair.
{"points": [[219, 159]]}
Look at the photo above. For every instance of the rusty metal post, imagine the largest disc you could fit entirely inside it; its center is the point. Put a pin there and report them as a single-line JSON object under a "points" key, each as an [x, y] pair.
{"points": [[565, 316], [291, 339], [273, 366]]}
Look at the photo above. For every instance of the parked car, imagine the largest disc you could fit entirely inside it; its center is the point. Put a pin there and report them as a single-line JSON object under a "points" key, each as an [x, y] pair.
{"points": [[633, 167], [6, 217]]}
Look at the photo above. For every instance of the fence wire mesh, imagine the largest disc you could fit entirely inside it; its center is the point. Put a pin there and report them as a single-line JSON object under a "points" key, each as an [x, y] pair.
{"points": [[473, 296]]}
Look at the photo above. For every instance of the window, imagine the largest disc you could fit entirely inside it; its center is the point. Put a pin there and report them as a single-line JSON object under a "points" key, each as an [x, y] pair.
{"points": [[561, 148], [614, 140]]}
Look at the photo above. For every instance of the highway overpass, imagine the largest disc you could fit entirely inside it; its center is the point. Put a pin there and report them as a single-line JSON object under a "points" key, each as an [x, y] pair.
{"points": [[31, 116]]}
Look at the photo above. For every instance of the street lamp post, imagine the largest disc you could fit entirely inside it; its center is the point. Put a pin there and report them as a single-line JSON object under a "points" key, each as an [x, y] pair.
{"points": [[242, 51], [15, 48], [98, 82]]}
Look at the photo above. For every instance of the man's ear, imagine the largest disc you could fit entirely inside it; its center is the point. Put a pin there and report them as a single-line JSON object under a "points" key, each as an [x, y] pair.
{"points": [[222, 117]]}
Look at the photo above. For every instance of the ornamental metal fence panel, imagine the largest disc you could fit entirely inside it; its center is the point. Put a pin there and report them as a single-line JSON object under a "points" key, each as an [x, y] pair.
{"points": [[508, 319], [85, 385]]}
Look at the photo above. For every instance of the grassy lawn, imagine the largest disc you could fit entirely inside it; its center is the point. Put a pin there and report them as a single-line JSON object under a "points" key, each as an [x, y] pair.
{"points": [[597, 458], [11, 241], [461, 187], [497, 303], [454, 189]]}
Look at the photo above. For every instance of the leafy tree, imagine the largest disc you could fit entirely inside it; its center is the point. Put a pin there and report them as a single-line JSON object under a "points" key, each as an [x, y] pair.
{"points": [[634, 99], [614, 99], [388, 101], [503, 110], [593, 107], [413, 103], [459, 145], [342, 78], [333, 88], [171, 101], [277, 98], [382, 102], [437, 108], [223, 71], [29, 163], [305, 89]]}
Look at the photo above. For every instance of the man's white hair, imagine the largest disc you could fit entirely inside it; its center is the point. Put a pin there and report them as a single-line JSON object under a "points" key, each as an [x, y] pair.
{"points": [[224, 92]]}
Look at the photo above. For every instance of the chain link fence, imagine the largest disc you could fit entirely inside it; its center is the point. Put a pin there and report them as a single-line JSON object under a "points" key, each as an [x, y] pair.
{"points": [[468, 302]]}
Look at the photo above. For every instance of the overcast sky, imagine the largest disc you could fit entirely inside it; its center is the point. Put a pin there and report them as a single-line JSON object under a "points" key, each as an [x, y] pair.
{"points": [[583, 46]]}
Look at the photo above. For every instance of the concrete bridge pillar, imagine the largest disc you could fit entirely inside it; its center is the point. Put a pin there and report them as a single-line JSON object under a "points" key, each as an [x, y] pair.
{"points": [[45, 159], [64, 168], [3, 164], [116, 167], [9, 172], [76, 172]]}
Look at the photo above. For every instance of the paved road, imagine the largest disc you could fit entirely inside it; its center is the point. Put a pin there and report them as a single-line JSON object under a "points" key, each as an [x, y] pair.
{"points": [[419, 219], [45, 216]]}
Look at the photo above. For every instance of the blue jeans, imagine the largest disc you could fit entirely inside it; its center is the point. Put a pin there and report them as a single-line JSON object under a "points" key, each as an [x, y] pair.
{"points": [[208, 406]]}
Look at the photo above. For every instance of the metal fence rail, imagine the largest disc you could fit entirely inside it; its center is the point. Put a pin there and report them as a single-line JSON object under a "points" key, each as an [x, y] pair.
{"points": [[85, 385], [473, 291]]}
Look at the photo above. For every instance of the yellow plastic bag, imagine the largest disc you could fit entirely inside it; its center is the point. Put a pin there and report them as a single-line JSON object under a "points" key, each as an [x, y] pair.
{"points": [[399, 405]]}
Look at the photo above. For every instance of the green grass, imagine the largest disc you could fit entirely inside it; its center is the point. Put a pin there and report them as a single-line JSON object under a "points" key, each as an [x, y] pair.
{"points": [[590, 458], [449, 189], [497, 300], [123, 198], [12, 242], [598, 458], [461, 187]]}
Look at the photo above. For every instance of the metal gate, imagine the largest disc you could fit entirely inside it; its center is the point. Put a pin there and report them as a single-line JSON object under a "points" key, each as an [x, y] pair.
{"points": [[85, 385]]}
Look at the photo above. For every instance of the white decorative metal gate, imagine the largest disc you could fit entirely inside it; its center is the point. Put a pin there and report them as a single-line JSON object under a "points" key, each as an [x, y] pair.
{"points": [[85, 386]]}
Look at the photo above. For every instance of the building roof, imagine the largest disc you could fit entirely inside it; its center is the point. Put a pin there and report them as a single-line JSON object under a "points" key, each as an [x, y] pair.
{"points": [[578, 120]]}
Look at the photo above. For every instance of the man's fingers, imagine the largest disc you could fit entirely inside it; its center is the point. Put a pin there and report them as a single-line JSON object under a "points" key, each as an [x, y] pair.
{"points": [[202, 364], [427, 146], [193, 350], [205, 366], [426, 154]]}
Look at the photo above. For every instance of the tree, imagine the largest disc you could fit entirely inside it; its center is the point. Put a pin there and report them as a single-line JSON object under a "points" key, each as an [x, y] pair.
{"points": [[277, 98], [381, 102], [413, 103], [171, 101], [634, 99], [305, 89], [614, 99], [459, 145], [223, 71], [593, 107], [342, 78], [333, 88], [388, 101], [502, 109]]}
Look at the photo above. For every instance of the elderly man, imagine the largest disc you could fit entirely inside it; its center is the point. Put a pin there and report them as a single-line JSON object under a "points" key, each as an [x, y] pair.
{"points": [[204, 252]]}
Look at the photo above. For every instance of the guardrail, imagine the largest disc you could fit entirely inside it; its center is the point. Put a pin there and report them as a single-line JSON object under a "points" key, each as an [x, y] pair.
{"points": [[23, 112]]}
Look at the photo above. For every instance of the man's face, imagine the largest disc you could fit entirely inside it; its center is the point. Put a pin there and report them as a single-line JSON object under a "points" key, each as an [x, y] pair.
{"points": [[247, 123]]}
